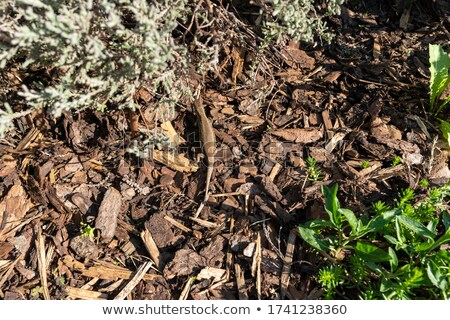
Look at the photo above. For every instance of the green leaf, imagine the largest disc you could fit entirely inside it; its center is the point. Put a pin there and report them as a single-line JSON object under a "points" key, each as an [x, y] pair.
{"points": [[442, 239], [445, 128], [393, 259], [446, 220], [371, 253], [435, 276], [439, 65], [424, 246], [378, 222], [416, 227], [313, 239], [391, 240], [332, 204], [350, 217], [318, 224]]}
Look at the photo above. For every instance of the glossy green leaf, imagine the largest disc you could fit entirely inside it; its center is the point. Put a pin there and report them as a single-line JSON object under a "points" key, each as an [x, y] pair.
{"points": [[332, 204], [313, 239], [318, 224], [439, 65], [415, 226], [350, 217], [378, 222], [442, 239], [435, 276], [393, 259], [371, 253], [446, 220], [445, 128]]}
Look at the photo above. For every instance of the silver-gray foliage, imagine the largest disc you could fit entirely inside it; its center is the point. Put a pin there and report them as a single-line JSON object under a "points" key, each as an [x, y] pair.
{"points": [[298, 19], [101, 50]]}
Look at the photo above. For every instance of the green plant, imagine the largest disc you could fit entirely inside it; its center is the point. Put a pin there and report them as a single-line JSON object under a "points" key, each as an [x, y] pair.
{"points": [[395, 254], [396, 161], [313, 171], [365, 164], [330, 277], [440, 78], [424, 183], [379, 207], [86, 230]]}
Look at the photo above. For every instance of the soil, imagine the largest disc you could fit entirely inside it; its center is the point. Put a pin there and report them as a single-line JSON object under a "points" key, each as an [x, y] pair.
{"points": [[361, 98]]}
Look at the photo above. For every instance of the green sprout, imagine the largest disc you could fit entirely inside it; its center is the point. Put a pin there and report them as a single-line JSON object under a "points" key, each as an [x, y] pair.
{"points": [[380, 207], [330, 277], [37, 291], [313, 170], [86, 230], [396, 161], [424, 183], [365, 164]]}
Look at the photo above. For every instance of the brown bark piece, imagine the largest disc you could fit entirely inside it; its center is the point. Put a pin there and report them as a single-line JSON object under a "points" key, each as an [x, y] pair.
{"points": [[12, 209], [271, 188], [109, 209], [299, 135], [185, 262]]}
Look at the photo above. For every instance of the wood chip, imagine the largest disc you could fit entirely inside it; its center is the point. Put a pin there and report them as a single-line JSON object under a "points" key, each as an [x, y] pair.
{"points": [[12, 209], [286, 271], [240, 282], [139, 275], [152, 248], [299, 135], [84, 294], [109, 209]]}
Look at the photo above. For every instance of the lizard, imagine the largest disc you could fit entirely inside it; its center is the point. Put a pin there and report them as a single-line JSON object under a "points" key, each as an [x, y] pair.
{"points": [[208, 145]]}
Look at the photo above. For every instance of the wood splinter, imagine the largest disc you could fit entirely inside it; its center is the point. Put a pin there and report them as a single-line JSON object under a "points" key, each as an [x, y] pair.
{"points": [[208, 145]]}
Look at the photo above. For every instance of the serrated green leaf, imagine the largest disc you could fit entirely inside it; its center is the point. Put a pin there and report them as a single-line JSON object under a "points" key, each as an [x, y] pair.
{"points": [[313, 239], [371, 253], [416, 227]]}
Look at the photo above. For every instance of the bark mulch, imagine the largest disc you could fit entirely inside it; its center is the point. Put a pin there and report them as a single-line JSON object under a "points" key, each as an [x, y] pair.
{"points": [[362, 98]]}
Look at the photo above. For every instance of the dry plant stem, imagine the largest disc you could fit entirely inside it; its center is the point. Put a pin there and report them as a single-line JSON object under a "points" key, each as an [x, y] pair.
{"points": [[140, 273], [40, 249], [209, 146], [187, 288]]}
